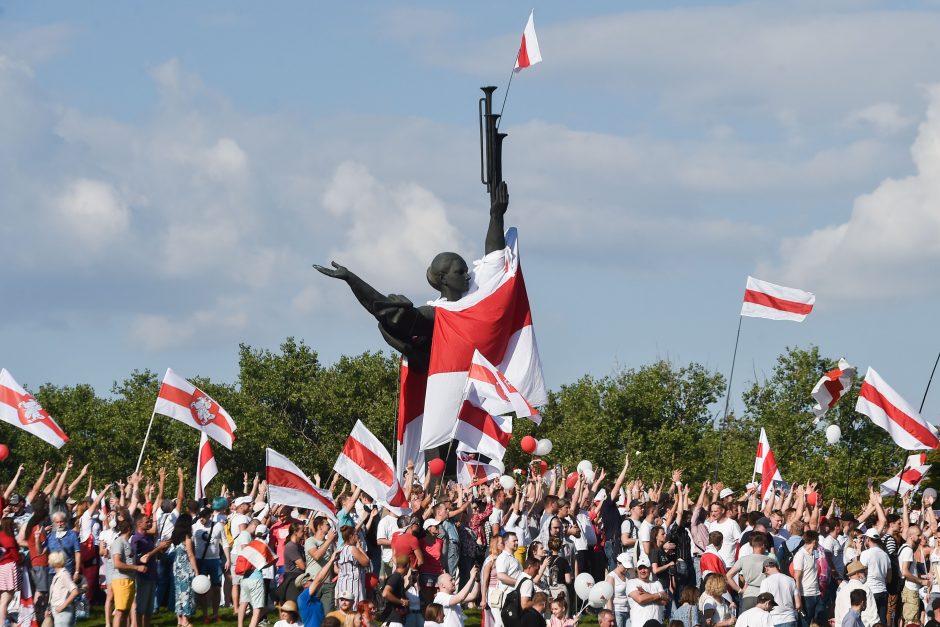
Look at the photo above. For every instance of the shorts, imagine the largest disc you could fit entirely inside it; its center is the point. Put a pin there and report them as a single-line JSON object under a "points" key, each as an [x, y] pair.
{"points": [[252, 593], [213, 569], [910, 605], [41, 578], [146, 597], [237, 579], [123, 590]]}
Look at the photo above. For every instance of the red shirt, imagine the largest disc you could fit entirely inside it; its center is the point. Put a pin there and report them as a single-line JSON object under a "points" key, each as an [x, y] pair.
{"points": [[405, 544], [432, 548], [38, 556], [9, 548], [278, 538]]}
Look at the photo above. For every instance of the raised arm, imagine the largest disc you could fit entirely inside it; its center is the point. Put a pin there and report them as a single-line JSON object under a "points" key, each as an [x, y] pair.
{"points": [[623, 474], [495, 233], [12, 487], [78, 479], [181, 484], [34, 492]]}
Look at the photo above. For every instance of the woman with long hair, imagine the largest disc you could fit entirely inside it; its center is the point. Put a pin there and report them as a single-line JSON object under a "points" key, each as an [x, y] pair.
{"points": [[687, 608], [714, 609], [184, 569], [9, 566], [488, 580], [352, 563]]}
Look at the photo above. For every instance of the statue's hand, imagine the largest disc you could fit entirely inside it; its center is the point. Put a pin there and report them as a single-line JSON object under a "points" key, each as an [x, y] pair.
{"points": [[500, 201], [337, 271]]}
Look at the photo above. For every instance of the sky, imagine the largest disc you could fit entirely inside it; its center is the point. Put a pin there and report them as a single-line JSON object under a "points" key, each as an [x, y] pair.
{"points": [[170, 171]]}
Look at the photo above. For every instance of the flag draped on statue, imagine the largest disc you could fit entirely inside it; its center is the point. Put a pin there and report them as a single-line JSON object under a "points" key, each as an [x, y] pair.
{"points": [[206, 469], [830, 388], [181, 400], [915, 469], [776, 302], [891, 412], [288, 485], [765, 465], [529, 53], [368, 465], [494, 318], [412, 388], [21, 410]]}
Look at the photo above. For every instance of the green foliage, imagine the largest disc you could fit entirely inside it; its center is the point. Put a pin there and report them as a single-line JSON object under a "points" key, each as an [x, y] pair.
{"points": [[664, 416]]}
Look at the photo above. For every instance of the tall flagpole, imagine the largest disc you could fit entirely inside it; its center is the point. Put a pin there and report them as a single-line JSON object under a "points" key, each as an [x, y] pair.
{"points": [[724, 417], [146, 437], [923, 400]]}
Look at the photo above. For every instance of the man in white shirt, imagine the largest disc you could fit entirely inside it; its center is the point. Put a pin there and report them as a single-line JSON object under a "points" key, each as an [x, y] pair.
{"points": [[448, 597], [645, 595], [878, 563], [209, 545], [912, 570], [856, 573], [630, 528], [787, 601], [730, 532], [508, 571], [759, 615], [806, 574], [387, 527]]}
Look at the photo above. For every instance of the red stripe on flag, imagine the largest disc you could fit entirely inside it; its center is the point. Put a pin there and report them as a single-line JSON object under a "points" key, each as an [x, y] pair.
{"points": [[183, 399], [523, 59], [921, 433], [482, 421], [834, 387], [205, 454], [11, 397], [412, 388], [368, 461], [282, 478], [911, 476], [760, 298]]}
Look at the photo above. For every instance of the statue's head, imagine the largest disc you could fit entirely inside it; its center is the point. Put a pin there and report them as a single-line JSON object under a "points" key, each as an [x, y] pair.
{"points": [[449, 274]]}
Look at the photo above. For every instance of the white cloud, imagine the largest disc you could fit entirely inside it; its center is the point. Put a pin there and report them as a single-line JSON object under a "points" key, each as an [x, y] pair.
{"points": [[890, 245], [884, 117], [93, 213], [198, 328]]}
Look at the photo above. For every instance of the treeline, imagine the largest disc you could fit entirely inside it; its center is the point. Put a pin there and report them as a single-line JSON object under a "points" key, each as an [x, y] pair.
{"points": [[666, 416]]}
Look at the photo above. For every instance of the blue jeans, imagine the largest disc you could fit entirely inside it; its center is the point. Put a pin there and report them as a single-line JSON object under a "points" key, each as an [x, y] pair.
{"points": [[811, 606], [166, 583], [622, 618], [881, 600], [611, 551], [793, 624]]}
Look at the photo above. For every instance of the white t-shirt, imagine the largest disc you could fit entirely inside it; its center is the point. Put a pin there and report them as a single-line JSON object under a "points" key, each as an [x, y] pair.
{"points": [[89, 527], [519, 525], [640, 613], [453, 614], [906, 555], [783, 588], [201, 535], [165, 522], [754, 617], [236, 521], [240, 541], [587, 529], [731, 534], [620, 601], [832, 546], [644, 536], [878, 564], [386, 528], [806, 562], [507, 564]]}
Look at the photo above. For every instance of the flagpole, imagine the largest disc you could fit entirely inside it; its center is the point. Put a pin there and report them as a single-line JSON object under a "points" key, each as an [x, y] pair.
{"points": [[146, 437], [724, 418], [509, 84], [923, 400]]}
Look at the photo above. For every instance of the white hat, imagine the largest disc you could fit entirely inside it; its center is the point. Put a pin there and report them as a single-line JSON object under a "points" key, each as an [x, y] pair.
{"points": [[643, 561], [601, 495], [626, 560], [431, 522], [261, 530], [873, 534], [725, 493], [242, 500]]}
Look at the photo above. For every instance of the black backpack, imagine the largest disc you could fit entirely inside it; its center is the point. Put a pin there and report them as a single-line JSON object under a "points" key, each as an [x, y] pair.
{"points": [[785, 557], [511, 612]]}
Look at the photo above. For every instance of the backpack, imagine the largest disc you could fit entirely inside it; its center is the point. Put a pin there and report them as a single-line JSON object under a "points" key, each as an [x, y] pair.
{"points": [[511, 611], [785, 557], [227, 527]]}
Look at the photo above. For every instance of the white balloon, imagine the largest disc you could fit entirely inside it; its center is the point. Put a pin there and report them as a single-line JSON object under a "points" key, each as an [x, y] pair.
{"points": [[582, 585], [507, 482], [584, 466], [588, 475], [201, 584], [600, 594], [833, 434], [498, 465], [544, 447]]}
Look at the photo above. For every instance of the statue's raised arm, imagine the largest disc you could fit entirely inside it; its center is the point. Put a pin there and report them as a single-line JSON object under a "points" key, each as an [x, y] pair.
{"points": [[495, 234]]}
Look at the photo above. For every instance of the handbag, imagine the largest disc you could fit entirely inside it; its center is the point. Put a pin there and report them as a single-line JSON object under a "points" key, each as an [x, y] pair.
{"points": [[495, 597]]}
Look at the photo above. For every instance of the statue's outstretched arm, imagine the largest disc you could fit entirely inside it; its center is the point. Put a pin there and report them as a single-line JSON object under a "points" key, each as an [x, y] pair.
{"points": [[495, 234], [367, 295]]}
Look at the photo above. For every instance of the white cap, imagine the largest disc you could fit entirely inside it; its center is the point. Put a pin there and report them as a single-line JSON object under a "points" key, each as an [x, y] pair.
{"points": [[261, 530], [626, 560], [601, 495], [725, 493], [242, 500], [873, 534], [643, 561], [431, 522]]}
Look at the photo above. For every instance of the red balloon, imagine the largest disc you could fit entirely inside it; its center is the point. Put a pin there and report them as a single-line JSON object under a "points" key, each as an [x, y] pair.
{"points": [[811, 499], [572, 480], [372, 580], [540, 464], [436, 466], [4, 452], [528, 444]]}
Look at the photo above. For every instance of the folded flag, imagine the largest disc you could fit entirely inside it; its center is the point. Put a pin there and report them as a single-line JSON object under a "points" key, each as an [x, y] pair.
{"points": [[529, 53], [830, 388], [891, 412], [776, 302], [255, 555], [766, 465], [288, 485], [206, 469], [24, 412], [181, 400]]}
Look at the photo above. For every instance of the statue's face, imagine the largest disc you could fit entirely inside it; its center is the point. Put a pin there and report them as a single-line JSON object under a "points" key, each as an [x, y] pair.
{"points": [[457, 276]]}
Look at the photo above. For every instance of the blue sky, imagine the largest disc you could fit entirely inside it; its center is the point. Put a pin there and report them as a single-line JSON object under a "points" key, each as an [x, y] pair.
{"points": [[169, 171]]}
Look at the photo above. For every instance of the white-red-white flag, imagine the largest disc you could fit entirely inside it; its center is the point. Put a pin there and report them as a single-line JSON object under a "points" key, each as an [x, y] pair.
{"points": [[366, 463], [830, 388], [288, 485], [21, 410], [255, 555], [765, 465], [412, 387], [908, 479], [529, 53], [471, 471], [891, 412], [493, 317], [181, 400], [482, 432], [494, 393], [206, 469], [776, 302]]}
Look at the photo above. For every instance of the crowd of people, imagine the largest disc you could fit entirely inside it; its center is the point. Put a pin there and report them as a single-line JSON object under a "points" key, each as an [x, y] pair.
{"points": [[526, 553]]}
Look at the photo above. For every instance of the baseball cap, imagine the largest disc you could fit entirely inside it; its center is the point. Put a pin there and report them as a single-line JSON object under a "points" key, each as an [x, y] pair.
{"points": [[242, 500], [625, 560], [16, 499], [635, 503], [771, 561], [764, 597], [873, 534], [261, 530], [431, 522], [725, 493], [763, 520], [643, 562]]}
